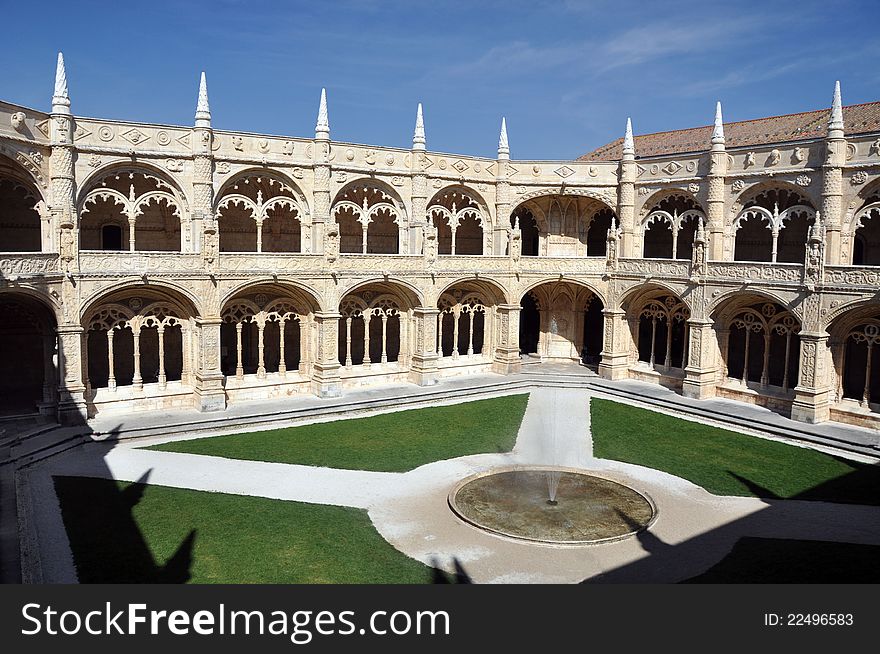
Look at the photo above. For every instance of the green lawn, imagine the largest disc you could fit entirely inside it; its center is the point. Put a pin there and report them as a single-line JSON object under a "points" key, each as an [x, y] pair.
{"points": [[725, 462], [136, 533], [391, 442]]}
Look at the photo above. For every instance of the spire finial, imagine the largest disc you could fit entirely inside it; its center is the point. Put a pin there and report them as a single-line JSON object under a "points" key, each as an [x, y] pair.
{"points": [[718, 131], [60, 98], [503, 145], [836, 120], [203, 110], [419, 133], [629, 147], [322, 127]]}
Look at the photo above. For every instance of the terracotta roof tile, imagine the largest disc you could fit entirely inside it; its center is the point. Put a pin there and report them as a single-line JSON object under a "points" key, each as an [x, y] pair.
{"points": [[857, 119]]}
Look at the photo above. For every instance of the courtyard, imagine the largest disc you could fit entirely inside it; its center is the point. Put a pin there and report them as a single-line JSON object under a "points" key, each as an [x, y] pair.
{"points": [[360, 493]]}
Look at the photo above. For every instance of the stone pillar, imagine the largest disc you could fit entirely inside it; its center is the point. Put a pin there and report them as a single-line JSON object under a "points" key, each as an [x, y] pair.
{"points": [[325, 371], [615, 346], [423, 364], [701, 367], [419, 193], [321, 188], [507, 359], [832, 180], [501, 226], [715, 194], [208, 390], [72, 408], [203, 183], [626, 194], [813, 394]]}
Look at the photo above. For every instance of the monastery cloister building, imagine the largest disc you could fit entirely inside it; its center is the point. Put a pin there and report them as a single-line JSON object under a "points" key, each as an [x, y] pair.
{"points": [[153, 266]]}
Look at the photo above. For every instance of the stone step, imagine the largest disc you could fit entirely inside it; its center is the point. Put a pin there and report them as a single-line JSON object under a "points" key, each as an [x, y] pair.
{"points": [[341, 408]]}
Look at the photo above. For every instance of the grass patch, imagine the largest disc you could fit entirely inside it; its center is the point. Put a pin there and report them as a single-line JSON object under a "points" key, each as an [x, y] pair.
{"points": [[781, 561], [725, 462], [138, 533], [391, 442]]}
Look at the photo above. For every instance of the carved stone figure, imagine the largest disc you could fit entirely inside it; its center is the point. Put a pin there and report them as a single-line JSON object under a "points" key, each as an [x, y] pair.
{"points": [[18, 121]]}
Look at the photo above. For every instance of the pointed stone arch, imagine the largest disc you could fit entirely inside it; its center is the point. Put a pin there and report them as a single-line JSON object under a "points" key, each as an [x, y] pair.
{"points": [[261, 210], [562, 321], [372, 218], [144, 206], [561, 222], [267, 332]]}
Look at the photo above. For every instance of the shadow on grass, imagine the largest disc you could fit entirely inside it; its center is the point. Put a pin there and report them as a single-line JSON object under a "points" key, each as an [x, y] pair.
{"points": [[105, 539]]}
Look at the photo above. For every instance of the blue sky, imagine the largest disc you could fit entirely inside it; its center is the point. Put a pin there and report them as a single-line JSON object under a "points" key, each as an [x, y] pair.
{"points": [[565, 74]]}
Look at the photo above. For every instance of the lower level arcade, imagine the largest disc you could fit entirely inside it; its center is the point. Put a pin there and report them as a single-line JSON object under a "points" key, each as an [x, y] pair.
{"points": [[143, 347]]}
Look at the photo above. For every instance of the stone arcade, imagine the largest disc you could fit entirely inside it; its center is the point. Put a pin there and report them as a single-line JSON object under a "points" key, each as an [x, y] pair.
{"points": [[152, 266]]}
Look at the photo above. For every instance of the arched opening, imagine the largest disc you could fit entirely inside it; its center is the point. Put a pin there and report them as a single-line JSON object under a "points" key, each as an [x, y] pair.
{"points": [[139, 339], [773, 225], [561, 224], [866, 239], [661, 332], [132, 209], [754, 240], [658, 239], [369, 219], [561, 321], [374, 328], [793, 237], [28, 356], [469, 235], [855, 350], [529, 229], [383, 235], [597, 234], [264, 335], [670, 222], [20, 229], [759, 344], [464, 324], [529, 325], [459, 219], [257, 212], [282, 231]]}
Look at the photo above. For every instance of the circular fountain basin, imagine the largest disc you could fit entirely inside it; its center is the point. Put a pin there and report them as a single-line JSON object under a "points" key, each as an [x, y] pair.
{"points": [[516, 502]]}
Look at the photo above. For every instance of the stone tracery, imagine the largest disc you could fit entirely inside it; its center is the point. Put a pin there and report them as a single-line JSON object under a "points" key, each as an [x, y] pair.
{"points": [[132, 209]]}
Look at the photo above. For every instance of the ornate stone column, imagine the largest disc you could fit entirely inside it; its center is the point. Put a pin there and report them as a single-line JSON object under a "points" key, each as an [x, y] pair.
{"points": [[813, 394], [615, 345], [72, 408], [71, 388], [701, 367], [715, 195], [419, 193], [325, 372], [506, 359], [423, 363], [203, 181], [321, 189], [832, 180], [626, 193], [208, 390], [502, 196]]}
